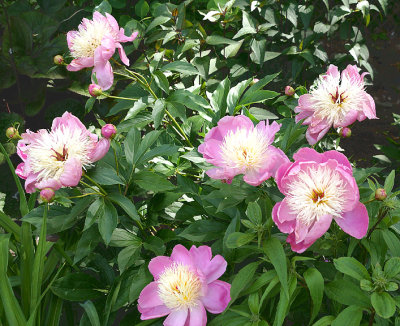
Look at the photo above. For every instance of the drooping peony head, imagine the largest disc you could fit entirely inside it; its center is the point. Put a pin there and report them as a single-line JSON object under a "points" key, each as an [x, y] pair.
{"points": [[185, 285], [235, 147], [336, 100], [94, 43], [55, 158], [318, 188]]}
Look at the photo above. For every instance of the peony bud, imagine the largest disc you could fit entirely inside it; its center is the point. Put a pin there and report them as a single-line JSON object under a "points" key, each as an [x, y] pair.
{"points": [[108, 131], [47, 195], [12, 133], [345, 132], [95, 90], [380, 194], [58, 59], [254, 81], [289, 91]]}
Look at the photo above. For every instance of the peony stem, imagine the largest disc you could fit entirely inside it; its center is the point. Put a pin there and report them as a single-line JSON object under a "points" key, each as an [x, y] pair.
{"points": [[88, 185]]}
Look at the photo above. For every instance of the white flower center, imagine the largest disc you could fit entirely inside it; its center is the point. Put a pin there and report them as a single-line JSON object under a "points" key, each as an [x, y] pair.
{"points": [[49, 153], [89, 37], [244, 149], [316, 192], [336, 96], [179, 287]]}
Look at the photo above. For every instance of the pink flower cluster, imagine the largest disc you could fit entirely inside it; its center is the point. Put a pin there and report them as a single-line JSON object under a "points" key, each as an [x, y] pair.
{"points": [[94, 44], [185, 285], [54, 159]]}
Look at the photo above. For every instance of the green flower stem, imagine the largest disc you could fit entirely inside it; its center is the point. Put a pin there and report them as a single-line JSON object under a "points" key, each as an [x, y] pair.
{"points": [[116, 165], [381, 215], [67, 258], [89, 186], [85, 195], [118, 97], [96, 184], [23, 205]]}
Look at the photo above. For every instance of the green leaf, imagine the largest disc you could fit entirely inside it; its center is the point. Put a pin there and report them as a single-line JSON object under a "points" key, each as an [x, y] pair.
{"points": [[392, 267], [103, 7], [123, 238], [127, 257], [131, 144], [158, 112], [89, 104], [352, 267], [203, 230], [126, 204], [145, 144], [315, 283], [274, 250], [383, 304], [142, 8], [242, 280], [324, 321], [262, 114], [163, 150], [161, 81], [159, 20], [254, 214], [232, 49], [91, 312], [392, 241], [218, 98], [12, 309], [151, 181], [218, 40], [389, 182], [105, 175], [351, 316], [182, 67], [238, 239], [235, 93], [257, 96], [108, 220], [87, 243], [346, 292], [77, 287], [155, 244], [51, 6]]}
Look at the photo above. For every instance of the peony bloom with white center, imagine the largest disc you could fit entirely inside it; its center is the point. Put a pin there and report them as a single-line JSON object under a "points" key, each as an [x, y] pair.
{"points": [[318, 188], [335, 100], [94, 43], [54, 159], [185, 285], [235, 147]]}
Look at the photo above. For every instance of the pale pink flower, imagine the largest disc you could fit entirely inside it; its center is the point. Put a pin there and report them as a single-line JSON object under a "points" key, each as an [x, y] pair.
{"points": [[55, 158], [318, 188], [235, 147], [185, 285], [335, 100], [95, 43]]}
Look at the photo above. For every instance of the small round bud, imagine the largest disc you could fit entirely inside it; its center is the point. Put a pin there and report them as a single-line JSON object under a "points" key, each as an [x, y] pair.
{"points": [[108, 131], [95, 90], [47, 195], [345, 132], [58, 59], [12, 133], [255, 80], [380, 194], [289, 91]]}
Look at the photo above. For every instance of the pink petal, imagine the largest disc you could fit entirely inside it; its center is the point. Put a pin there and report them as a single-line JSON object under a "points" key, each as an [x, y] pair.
{"points": [[80, 63], [105, 51], [333, 71], [122, 38], [355, 222], [149, 298], [222, 174], [181, 255], [104, 75], [122, 54], [347, 120], [113, 23], [280, 173], [268, 130], [69, 121], [201, 254], [158, 264], [197, 316], [307, 154], [19, 171], [21, 146], [313, 138], [152, 313], [215, 268], [211, 150], [282, 216], [49, 183], [176, 318], [72, 172], [70, 38], [369, 107], [30, 183], [230, 123], [218, 297], [101, 148], [339, 157]]}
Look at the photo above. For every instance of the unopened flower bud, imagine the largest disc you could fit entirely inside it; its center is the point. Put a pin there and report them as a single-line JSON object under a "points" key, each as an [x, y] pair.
{"points": [[345, 132], [58, 59], [47, 195], [289, 91], [380, 194], [255, 80], [12, 133], [95, 90], [108, 131]]}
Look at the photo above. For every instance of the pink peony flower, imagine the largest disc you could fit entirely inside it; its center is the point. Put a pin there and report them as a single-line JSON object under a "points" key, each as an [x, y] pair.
{"points": [[94, 44], [185, 284], [318, 188], [336, 100], [55, 158], [235, 147]]}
